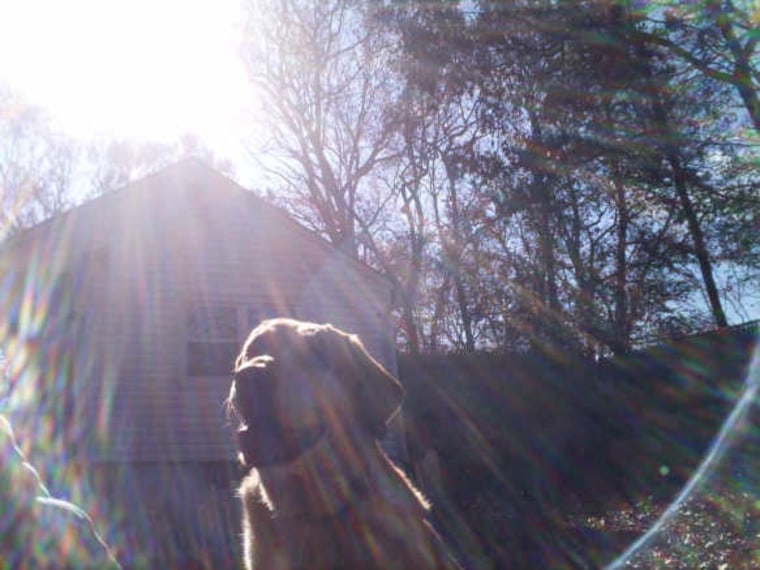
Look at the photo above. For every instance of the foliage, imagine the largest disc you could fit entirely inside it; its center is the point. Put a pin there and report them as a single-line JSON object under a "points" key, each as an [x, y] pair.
{"points": [[592, 167], [576, 174]]}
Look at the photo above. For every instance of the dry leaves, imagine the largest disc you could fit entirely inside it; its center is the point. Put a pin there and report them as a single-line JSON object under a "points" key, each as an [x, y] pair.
{"points": [[715, 531]]}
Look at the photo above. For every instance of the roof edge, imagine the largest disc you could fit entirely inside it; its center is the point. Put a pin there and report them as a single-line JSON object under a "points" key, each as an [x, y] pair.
{"points": [[39, 230]]}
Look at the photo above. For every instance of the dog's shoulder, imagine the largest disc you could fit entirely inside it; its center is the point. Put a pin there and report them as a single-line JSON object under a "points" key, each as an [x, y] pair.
{"points": [[393, 485]]}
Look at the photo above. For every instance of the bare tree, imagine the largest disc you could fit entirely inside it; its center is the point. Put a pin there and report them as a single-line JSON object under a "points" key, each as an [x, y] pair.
{"points": [[326, 83], [116, 162]]}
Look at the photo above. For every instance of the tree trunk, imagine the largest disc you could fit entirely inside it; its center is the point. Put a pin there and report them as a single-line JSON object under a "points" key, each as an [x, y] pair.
{"points": [[621, 341], [698, 240], [695, 229], [547, 263], [548, 267], [454, 254]]}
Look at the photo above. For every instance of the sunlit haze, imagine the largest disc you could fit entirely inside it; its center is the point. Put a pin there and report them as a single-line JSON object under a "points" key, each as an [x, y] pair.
{"points": [[147, 69]]}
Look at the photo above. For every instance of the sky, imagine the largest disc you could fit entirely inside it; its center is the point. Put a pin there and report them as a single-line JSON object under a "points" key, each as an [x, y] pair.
{"points": [[145, 69], [150, 70]]}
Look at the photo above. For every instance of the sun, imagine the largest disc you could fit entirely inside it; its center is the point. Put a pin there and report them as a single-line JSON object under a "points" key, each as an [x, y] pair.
{"points": [[148, 69]]}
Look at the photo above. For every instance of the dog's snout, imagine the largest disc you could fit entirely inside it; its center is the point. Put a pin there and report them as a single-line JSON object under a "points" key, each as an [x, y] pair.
{"points": [[270, 443], [254, 393]]}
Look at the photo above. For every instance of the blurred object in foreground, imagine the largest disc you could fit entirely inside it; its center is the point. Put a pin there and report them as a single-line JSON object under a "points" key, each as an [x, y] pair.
{"points": [[36, 529]]}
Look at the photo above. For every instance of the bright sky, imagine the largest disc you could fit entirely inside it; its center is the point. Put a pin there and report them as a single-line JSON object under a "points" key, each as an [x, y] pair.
{"points": [[152, 69]]}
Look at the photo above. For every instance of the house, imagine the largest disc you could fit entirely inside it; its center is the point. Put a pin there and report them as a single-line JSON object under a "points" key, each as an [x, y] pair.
{"points": [[123, 317]]}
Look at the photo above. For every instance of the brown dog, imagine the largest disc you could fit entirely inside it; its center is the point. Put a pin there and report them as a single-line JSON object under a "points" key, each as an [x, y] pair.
{"points": [[321, 494]]}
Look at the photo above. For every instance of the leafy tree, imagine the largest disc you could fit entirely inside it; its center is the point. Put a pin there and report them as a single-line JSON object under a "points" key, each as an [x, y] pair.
{"points": [[578, 164], [525, 173], [717, 39], [438, 112]]}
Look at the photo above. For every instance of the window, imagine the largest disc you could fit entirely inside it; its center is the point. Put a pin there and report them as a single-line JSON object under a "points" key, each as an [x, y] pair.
{"points": [[62, 299], [212, 340], [216, 333]]}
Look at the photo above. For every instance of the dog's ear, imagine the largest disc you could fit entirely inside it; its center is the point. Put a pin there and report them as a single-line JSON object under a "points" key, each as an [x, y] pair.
{"points": [[377, 394]]}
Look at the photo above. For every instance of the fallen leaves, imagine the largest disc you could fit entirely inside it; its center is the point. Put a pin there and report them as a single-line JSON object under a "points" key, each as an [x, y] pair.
{"points": [[712, 531]]}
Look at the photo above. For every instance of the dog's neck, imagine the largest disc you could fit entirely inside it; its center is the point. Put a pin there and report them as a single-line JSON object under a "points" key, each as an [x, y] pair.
{"points": [[319, 483]]}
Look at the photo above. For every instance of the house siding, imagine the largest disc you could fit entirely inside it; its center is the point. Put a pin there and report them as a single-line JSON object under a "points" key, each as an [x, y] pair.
{"points": [[155, 441], [142, 259]]}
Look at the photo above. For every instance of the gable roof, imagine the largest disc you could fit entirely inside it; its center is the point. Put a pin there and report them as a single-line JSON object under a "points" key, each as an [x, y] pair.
{"points": [[189, 172]]}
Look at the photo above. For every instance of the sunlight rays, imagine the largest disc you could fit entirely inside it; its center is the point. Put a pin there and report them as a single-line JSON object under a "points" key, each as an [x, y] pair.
{"points": [[142, 69]]}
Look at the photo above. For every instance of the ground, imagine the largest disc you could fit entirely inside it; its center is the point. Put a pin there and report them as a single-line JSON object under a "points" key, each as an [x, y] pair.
{"points": [[716, 530]]}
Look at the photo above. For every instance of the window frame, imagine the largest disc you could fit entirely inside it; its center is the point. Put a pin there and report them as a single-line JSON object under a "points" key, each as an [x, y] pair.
{"points": [[246, 317]]}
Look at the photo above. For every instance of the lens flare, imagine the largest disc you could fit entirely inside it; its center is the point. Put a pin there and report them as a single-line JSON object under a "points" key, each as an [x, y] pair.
{"points": [[727, 443]]}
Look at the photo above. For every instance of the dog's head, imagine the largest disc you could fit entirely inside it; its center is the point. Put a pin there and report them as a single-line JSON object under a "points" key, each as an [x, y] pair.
{"points": [[295, 381]]}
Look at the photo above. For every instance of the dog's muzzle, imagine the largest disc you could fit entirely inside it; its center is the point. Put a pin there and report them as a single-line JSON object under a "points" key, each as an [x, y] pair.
{"points": [[262, 446]]}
